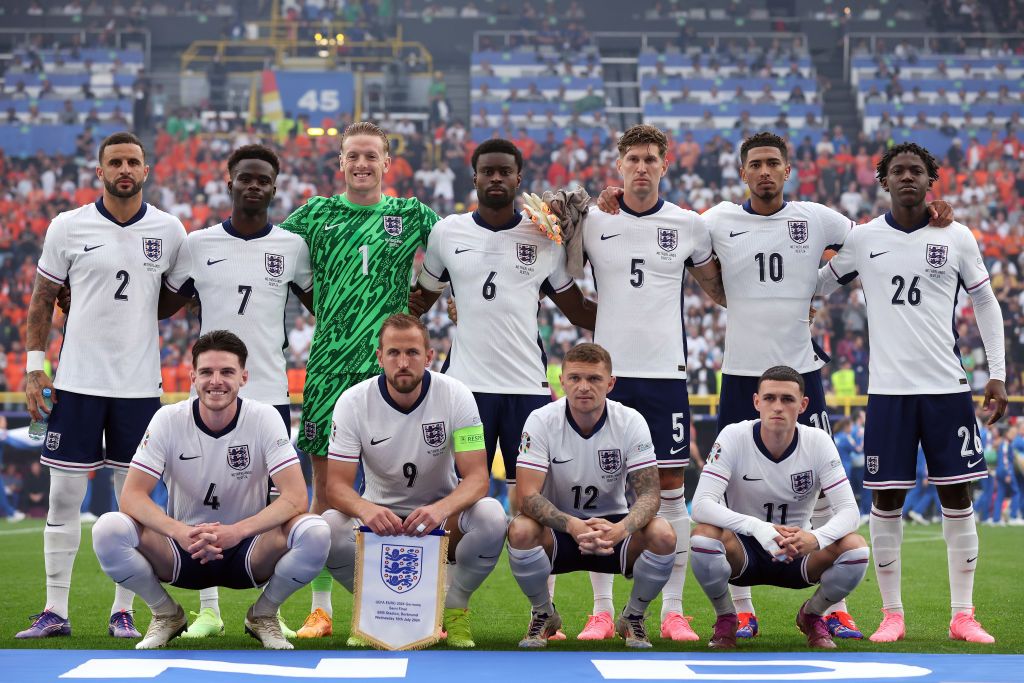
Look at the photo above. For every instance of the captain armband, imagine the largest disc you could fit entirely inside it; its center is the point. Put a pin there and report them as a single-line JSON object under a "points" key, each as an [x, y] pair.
{"points": [[469, 438]]}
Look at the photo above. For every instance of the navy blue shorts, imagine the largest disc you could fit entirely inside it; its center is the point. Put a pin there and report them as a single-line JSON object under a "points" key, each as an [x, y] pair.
{"points": [[665, 405], [231, 572], [943, 424], [285, 410], [503, 417], [566, 556], [760, 570], [78, 424], [736, 402]]}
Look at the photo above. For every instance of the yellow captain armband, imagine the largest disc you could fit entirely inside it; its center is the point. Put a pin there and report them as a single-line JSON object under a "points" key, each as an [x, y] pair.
{"points": [[469, 439]]}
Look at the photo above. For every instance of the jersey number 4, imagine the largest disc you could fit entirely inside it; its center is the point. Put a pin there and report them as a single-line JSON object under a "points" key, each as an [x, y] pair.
{"points": [[211, 499]]}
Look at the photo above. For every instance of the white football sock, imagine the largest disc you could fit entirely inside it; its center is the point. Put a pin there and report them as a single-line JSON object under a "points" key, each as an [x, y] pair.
{"points": [[961, 533], [650, 572], [483, 526], [673, 510], [123, 598], [115, 540], [551, 587], [208, 598], [886, 528], [531, 568], [741, 599], [341, 560], [839, 580], [602, 585], [820, 517], [308, 544], [711, 569], [62, 536]]}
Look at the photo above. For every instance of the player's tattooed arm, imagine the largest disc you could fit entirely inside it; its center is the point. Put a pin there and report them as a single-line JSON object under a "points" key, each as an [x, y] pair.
{"points": [[544, 512], [37, 333], [709, 277], [647, 487]]}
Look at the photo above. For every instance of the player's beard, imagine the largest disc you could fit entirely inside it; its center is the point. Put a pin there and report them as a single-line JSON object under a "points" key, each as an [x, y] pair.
{"points": [[405, 385], [115, 191], [494, 202]]}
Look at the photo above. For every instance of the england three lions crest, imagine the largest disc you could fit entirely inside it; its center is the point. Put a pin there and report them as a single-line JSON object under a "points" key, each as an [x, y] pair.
{"points": [[798, 231], [393, 225], [434, 434], [872, 464], [401, 566], [238, 457], [802, 482], [153, 248], [668, 238], [935, 255], [52, 441], [526, 253], [274, 264], [610, 460]]}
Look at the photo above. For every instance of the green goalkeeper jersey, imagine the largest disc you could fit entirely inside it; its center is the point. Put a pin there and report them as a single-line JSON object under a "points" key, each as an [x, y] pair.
{"points": [[362, 260]]}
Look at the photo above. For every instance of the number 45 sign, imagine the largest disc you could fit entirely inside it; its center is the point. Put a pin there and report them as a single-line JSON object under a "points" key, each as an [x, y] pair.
{"points": [[313, 93]]}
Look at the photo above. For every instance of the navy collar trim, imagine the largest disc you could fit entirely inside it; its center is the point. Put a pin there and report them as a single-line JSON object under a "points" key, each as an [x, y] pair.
{"points": [[893, 224], [382, 384], [209, 432], [576, 427], [229, 228], [749, 208], [517, 218], [790, 449], [110, 217], [654, 209]]}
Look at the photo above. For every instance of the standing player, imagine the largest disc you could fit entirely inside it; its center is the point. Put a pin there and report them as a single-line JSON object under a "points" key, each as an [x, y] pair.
{"points": [[576, 457], [638, 258], [242, 270], [114, 254], [220, 531], [361, 246], [760, 533], [500, 265], [410, 428], [918, 391]]}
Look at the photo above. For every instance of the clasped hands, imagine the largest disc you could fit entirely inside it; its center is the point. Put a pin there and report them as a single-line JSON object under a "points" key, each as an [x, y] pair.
{"points": [[793, 543], [596, 536], [207, 541]]}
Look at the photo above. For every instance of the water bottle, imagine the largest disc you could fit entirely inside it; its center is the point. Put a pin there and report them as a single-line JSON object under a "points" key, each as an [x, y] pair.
{"points": [[37, 429]]}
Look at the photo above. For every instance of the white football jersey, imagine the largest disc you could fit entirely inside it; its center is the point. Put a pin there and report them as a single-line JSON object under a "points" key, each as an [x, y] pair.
{"points": [[242, 283], [770, 271], [408, 456], [638, 263], [911, 281], [111, 341], [215, 477], [586, 475], [780, 491], [497, 274]]}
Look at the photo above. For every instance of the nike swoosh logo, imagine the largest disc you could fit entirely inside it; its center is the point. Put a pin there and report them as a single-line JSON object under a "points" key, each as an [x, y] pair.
{"points": [[972, 463], [48, 524], [462, 251], [641, 599], [210, 262], [873, 254], [331, 227], [374, 442], [88, 248], [124, 579], [608, 237], [560, 462], [737, 234], [301, 583], [673, 451], [886, 564], [488, 557], [972, 559], [340, 566], [181, 456], [746, 478]]}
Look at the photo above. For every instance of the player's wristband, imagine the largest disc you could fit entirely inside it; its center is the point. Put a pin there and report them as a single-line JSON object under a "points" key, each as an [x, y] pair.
{"points": [[469, 438], [34, 361]]}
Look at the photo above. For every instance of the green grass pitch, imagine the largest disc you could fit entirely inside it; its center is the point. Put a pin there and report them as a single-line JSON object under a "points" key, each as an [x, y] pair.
{"points": [[500, 612]]}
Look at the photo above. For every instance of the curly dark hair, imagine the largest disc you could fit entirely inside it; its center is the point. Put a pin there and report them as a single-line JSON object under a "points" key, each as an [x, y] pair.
{"points": [[642, 134], [254, 152], [930, 164], [763, 139]]}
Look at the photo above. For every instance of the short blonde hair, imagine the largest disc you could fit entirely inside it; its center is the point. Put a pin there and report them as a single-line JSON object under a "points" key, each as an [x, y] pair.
{"points": [[366, 128], [588, 352]]}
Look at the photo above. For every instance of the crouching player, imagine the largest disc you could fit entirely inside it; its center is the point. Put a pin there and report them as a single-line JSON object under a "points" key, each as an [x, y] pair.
{"points": [[214, 453], [770, 472], [575, 459], [410, 428]]}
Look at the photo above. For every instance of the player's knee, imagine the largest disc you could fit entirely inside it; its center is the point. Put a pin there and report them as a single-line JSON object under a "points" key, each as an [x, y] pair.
{"points": [[113, 532], [707, 531], [851, 542], [524, 533], [660, 538], [312, 536], [341, 529], [486, 517], [670, 478]]}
